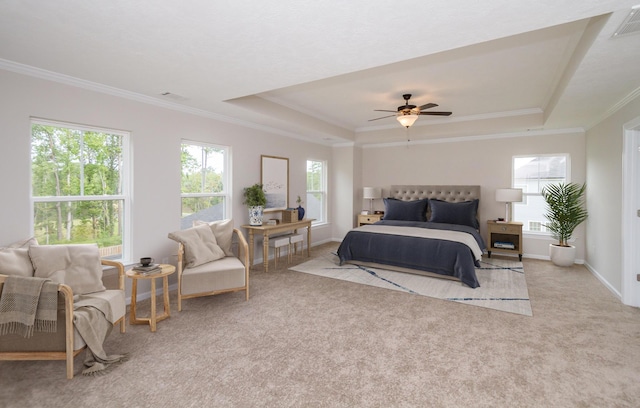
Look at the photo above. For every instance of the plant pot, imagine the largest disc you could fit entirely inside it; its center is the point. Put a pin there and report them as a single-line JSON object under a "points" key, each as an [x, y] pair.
{"points": [[255, 215], [300, 213], [562, 256]]}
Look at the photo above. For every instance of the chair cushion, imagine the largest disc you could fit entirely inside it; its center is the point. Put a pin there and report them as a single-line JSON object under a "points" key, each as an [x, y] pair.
{"points": [[225, 273], [200, 245], [75, 265], [295, 238], [14, 259], [223, 231]]}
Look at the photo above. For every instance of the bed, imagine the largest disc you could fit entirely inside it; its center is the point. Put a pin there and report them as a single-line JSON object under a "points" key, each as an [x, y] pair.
{"points": [[428, 230]]}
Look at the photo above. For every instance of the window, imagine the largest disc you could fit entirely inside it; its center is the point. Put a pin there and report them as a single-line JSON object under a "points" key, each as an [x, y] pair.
{"points": [[531, 174], [205, 183], [316, 191], [79, 186]]}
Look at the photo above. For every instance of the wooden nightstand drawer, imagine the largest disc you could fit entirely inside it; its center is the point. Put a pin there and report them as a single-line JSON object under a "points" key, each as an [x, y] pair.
{"points": [[505, 228], [368, 219]]}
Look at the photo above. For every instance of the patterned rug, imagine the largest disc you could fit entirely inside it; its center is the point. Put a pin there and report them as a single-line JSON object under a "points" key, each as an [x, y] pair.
{"points": [[502, 282]]}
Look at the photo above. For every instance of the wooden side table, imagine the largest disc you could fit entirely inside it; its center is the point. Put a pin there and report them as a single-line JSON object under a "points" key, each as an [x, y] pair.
{"points": [[504, 237], [368, 219], [154, 318]]}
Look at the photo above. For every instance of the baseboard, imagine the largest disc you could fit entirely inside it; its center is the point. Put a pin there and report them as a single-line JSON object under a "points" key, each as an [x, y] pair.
{"points": [[603, 281]]}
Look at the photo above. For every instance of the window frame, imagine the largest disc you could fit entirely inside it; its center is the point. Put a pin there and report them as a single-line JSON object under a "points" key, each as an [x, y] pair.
{"points": [[226, 179], [525, 195], [125, 181], [323, 191]]}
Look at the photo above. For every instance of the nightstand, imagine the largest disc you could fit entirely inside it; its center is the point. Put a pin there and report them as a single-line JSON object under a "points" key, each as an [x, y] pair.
{"points": [[504, 237], [368, 219]]}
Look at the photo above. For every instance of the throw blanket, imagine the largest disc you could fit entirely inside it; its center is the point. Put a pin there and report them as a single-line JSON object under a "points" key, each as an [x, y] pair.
{"points": [[93, 319], [28, 304]]}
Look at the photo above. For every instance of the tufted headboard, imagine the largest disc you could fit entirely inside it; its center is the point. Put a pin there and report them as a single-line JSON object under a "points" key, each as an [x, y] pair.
{"points": [[452, 194]]}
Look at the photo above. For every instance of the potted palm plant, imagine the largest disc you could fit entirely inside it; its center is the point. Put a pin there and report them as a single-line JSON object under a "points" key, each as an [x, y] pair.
{"points": [[255, 199], [565, 211]]}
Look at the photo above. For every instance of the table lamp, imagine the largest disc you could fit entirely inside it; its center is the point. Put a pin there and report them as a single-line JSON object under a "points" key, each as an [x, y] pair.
{"points": [[508, 196], [371, 193]]}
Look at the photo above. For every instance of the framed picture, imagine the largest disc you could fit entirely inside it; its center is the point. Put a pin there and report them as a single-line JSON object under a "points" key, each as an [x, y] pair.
{"points": [[274, 176]]}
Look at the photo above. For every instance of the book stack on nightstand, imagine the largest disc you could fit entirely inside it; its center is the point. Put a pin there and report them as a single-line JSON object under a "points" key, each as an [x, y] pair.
{"points": [[504, 237]]}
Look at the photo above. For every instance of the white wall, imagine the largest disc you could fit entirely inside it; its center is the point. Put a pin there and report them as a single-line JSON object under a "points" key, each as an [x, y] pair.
{"points": [[604, 195], [484, 162], [156, 134]]}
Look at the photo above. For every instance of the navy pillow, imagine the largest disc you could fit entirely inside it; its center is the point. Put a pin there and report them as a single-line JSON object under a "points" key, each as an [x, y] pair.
{"points": [[399, 210], [462, 213]]}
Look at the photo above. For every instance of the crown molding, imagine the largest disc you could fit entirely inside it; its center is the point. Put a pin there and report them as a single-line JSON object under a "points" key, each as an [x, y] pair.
{"points": [[455, 119], [121, 93], [461, 139], [619, 105]]}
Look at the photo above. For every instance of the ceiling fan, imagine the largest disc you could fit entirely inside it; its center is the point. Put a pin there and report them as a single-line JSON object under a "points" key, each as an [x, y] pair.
{"points": [[408, 114]]}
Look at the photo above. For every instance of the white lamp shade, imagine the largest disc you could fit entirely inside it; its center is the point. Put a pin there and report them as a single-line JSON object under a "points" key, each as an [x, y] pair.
{"points": [[371, 193], [407, 120], [509, 195]]}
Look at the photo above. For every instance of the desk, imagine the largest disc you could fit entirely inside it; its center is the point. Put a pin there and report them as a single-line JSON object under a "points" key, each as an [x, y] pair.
{"points": [[267, 230], [166, 270]]}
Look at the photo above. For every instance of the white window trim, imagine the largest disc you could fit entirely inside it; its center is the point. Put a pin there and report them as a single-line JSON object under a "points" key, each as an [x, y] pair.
{"points": [[127, 240], [226, 194], [540, 234], [324, 192]]}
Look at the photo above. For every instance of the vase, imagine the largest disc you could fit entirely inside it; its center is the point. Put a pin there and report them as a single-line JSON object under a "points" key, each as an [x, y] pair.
{"points": [[562, 256], [255, 215], [300, 213]]}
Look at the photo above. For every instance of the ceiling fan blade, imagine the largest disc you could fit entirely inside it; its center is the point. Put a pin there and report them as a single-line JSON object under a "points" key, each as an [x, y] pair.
{"points": [[381, 117], [428, 106], [382, 110], [436, 113]]}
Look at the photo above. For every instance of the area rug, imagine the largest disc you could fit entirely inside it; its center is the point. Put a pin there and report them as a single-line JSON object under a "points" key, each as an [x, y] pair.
{"points": [[502, 282]]}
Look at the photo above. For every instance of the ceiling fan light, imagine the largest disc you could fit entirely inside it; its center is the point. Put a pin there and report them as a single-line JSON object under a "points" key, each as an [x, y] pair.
{"points": [[407, 120]]}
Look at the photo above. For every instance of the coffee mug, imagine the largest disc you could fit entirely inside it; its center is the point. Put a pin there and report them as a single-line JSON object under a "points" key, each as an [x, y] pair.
{"points": [[146, 261]]}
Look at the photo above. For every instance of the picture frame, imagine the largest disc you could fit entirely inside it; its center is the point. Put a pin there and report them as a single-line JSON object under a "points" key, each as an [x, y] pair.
{"points": [[274, 176]]}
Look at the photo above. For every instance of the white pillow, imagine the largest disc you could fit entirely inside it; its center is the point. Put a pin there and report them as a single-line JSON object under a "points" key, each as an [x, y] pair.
{"points": [[200, 245], [14, 259], [223, 231], [75, 265]]}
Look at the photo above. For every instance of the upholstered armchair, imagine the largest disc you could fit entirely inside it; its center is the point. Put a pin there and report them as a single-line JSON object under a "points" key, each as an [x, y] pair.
{"points": [[213, 258], [80, 267]]}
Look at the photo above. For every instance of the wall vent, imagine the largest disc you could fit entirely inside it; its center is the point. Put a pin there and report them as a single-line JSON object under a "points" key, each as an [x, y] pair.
{"points": [[173, 96], [631, 24]]}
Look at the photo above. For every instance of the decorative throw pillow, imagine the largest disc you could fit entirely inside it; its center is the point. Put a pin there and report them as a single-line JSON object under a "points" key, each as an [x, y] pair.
{"points": [[75, 265], [462, 213], [200, 245], [223, 231], [399, 210], [14, 259]]}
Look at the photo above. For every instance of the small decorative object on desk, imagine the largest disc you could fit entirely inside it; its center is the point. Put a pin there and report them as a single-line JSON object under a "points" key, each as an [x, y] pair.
{"points": [[289, 215], [300, 209]]}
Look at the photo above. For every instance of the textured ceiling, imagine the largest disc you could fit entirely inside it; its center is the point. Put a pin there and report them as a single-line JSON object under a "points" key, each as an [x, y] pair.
{"points": [[317, 70]]}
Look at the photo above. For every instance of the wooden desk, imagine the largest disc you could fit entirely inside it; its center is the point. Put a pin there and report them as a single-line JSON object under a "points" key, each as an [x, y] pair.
{"points": [[267, 230]]}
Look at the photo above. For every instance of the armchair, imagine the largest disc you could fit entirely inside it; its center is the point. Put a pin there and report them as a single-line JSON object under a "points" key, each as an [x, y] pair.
{"points": [[66, 342], [209, 266]]}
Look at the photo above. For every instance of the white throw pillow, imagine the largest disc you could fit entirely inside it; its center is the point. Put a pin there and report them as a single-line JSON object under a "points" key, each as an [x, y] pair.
{"points": [[200, 245], [75, 265], [14, 259], [223, 231]]}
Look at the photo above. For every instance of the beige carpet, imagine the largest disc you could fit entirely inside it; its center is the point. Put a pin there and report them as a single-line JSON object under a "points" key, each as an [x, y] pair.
{"points": [[307, 341], [502, 282]]}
